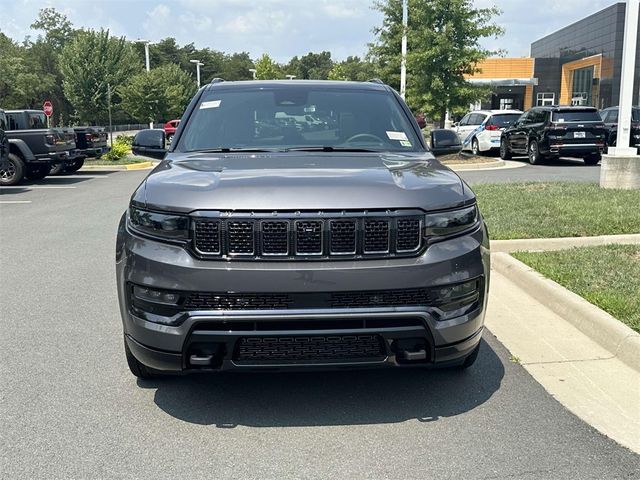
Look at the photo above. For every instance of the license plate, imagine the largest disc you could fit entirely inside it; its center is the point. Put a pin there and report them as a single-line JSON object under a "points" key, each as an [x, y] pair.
{"points": [[579, 134]]}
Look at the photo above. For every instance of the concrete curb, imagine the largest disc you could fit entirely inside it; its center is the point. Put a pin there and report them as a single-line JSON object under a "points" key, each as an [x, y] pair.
{"points": [[132, 166], [493, 165], [621, 341], [548, 244]]}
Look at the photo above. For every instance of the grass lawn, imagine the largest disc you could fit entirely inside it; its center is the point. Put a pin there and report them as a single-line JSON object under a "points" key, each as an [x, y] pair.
{"points": [[607, 276], [459, 159], [545, 210], [126, 160]]}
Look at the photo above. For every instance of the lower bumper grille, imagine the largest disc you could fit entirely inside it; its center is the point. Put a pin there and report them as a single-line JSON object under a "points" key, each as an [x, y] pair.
{"points": [[311, 349]]}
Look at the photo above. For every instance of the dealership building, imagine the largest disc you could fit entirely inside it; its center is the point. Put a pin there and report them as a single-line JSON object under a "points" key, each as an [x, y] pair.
{"points": [[580, 64]]}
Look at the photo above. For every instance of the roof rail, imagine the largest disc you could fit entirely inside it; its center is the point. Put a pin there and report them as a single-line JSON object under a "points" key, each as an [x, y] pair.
{"points": [[376, 80], [216, 80]]}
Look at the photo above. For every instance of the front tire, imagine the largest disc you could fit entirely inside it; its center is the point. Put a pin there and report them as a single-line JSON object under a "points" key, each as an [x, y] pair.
{"points": [[75, 166], [535, 158], [470, 360], [505, 153], [137, 369], [12, 171], [475, 147]]}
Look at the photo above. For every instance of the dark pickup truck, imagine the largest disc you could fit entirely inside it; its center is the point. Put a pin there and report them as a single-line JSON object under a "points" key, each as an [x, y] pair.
{"points": [[34, 149], [90, 142], [4, 144]]}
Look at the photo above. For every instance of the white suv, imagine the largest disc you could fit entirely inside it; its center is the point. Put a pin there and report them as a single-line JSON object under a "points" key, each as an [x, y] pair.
{"points": [[479, 131]]}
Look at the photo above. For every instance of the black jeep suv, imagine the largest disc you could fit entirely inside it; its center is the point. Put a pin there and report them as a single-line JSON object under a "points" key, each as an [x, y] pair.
{"points": [[545, 133], [610, 119], [248, 248]]}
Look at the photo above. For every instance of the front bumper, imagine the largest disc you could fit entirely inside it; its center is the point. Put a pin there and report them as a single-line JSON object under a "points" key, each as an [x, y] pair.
{"points": [[171, 348]]}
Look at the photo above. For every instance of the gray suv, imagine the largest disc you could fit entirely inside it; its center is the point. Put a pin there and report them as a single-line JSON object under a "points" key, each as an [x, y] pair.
{"points": [[261, 243]]}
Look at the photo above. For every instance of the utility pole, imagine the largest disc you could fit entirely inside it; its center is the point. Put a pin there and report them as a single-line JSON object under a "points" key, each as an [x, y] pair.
{"points": [[146, 60], [198, 64], [621, 165], [403, 62], [109, 108]]}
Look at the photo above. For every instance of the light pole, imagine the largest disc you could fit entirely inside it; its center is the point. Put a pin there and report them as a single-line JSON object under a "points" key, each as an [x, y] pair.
{"points": [[146, 60], [290, 77], [198, 64], [253, 71], [621, 166], [403, 62]]}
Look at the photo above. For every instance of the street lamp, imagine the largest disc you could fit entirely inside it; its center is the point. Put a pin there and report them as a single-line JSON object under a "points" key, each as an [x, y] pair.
{"points": [[403, 62], [290, 77], [198, 64], [253, 71], [146, 60]]}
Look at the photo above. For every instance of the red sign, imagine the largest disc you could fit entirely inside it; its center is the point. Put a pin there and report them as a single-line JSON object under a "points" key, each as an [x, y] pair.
{"points": [[48, 108]]}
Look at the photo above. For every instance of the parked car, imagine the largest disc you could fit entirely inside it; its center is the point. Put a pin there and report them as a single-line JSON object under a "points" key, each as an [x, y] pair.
{"points": [[545, 133], [480, 131], [170, 129], [345, 247], [33, 148], [610, 118], [4, 144], [90, 142]]}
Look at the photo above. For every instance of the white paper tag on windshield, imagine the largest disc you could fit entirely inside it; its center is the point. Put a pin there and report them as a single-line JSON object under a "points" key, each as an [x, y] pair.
{"points": [[405, 143], [211, 104], [396, 135]]}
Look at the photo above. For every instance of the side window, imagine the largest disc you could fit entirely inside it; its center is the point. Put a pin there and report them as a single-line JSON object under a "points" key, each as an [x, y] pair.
{"points": [[481, 118], [13, 124], [613, 116], [465, 120], [475, 119], [604, 115], [525, 118]]}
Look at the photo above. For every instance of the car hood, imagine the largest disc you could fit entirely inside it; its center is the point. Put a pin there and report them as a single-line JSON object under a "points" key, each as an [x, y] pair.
{"points": [[301, 181]]}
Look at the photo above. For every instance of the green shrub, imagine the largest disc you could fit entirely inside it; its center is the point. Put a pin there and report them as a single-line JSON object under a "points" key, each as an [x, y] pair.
{"points": [[126, 139], [119, 149]]}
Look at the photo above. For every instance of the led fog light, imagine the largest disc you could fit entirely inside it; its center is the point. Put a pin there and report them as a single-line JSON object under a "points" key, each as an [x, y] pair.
{"points": [[156, 296]]}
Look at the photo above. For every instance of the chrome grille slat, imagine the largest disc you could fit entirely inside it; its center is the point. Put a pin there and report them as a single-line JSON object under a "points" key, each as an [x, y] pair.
{"points": [[313, 235]]}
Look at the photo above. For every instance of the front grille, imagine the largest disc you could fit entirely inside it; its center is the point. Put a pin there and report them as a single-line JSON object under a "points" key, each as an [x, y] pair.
{"points": [[309, 237], [237, 301], [274, 301], [343, 237], [275, 238], [240, 237], [309, 349], [361, 235]]}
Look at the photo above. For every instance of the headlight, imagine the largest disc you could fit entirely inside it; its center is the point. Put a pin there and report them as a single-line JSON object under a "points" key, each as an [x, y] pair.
{"points": [[169, 226], [443, 224]]}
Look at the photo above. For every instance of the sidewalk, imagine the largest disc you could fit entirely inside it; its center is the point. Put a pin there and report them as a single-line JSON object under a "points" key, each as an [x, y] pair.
{"points": [[583, 376]]}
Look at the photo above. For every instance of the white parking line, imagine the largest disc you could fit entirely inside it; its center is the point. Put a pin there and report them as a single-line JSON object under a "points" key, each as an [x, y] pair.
{"points": [[14, 201], [23, 187]]}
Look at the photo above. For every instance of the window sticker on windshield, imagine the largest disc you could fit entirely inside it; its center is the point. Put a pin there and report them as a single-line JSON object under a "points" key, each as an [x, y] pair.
{"points": [[405, 143], [211, 104], [396, 135]]}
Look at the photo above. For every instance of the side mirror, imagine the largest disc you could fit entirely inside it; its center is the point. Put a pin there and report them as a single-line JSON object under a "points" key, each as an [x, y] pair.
{"points": [[445, 142], [455, 124], [150, 143]]}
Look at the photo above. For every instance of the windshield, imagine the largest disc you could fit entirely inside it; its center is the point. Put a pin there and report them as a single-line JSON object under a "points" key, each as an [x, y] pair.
{"points": [[301, 117], [576, 116], [504, 119]]}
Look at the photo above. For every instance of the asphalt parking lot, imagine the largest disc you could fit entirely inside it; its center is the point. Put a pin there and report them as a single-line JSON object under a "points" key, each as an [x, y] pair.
{"points": [[69, 408]]}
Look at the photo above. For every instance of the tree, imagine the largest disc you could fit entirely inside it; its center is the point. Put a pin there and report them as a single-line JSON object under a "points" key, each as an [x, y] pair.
{"points": [[443, 46], [315, 66], [90, 62], [267, 69], [354, 69], [160, 94]]}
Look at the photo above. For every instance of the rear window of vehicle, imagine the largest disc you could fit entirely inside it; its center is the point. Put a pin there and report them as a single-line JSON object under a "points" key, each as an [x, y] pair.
{"points": [[504, 119], [576, 116], [299, 116]]}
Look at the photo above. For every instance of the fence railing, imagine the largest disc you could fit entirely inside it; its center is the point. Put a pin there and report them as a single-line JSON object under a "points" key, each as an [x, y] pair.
{"points": [[127, 127]]}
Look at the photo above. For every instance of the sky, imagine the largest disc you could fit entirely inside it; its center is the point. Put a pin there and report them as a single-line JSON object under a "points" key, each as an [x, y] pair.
{"points": [[281, 28]]}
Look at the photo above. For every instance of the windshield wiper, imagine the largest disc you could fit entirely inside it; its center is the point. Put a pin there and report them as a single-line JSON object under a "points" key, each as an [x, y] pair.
{"points": [[330, 149], [233, 150]]}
